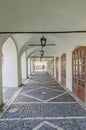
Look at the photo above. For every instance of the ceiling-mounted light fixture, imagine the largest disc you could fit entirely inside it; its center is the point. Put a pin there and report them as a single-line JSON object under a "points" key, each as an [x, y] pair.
{"points": [[42, 53], [40, 59], [43, 41]]}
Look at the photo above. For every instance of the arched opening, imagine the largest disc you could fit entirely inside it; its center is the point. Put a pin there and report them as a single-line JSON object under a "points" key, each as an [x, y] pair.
{"points": [[23, 66], [79, 71], [9, 69]]}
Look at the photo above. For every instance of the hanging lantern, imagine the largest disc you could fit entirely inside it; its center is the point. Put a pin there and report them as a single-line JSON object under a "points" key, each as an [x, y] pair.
{"points": [[43, 41], [42, 53]]}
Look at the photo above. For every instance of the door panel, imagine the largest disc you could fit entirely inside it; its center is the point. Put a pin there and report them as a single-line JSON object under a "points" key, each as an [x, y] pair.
{"points": [[79, 72], [63, 69]]}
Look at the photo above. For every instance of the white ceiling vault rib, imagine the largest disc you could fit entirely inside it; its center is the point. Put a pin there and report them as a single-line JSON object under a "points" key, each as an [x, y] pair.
{"points": [[63, 42], [33, 39], [36, 51], [21, 39]]}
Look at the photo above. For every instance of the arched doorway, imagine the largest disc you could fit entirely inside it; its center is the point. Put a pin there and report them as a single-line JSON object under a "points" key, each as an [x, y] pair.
{"points": [[9, 69], [9, 65], [63, 69], [79, 72]]}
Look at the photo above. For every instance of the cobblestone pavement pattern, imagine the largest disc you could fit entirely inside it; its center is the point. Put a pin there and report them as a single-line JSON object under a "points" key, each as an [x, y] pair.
{"points": [[42, 104]]}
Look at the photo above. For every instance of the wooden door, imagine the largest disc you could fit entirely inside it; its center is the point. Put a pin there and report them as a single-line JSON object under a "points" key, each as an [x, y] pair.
{"points": [[63, 69], [79, 72]]}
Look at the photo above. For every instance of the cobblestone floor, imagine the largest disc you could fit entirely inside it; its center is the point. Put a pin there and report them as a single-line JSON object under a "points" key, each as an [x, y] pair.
{"points": [[8, 93], [42, 104]]}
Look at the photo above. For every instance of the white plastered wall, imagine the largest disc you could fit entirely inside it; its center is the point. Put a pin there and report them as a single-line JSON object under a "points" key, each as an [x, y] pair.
{"points": [[1, 93], [23, 65], [31, 63], [9, 67], [29, 70], [19, 72], [69, 70], [27, 67]]}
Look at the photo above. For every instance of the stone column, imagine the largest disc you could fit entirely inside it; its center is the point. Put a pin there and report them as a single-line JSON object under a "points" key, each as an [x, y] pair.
{"points": [[27, 67], [31, 66], [59, 69], [19, 72], [69, 70]]}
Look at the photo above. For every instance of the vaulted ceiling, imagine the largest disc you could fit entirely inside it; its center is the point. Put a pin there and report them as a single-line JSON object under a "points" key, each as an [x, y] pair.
{"points": [[43, 15]]}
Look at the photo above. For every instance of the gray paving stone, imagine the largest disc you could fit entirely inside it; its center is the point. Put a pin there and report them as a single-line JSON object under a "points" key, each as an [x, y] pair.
{"points": [[45, 110], [35, 108], [64, 98], [22, 98], [48, 93], [9, 93], [46, 127], [54, 87], [31, 87], [73, 124], [10, 125]]}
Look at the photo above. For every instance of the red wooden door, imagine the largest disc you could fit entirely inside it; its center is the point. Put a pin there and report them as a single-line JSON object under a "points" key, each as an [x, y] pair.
{"points": [[79, 72], [63, 69]]}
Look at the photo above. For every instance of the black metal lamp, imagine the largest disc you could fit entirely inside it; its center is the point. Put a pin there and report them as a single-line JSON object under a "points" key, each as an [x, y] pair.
{"points": [[43, 41], [41, 53]]}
